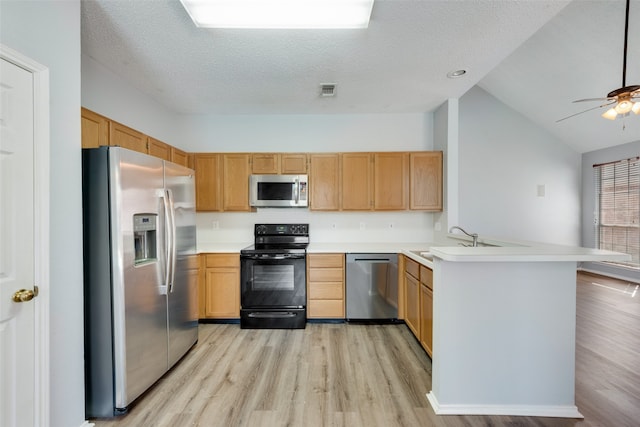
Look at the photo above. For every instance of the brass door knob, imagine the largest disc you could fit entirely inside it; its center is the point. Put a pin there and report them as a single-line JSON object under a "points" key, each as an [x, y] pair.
{"points": [[23, 295]]}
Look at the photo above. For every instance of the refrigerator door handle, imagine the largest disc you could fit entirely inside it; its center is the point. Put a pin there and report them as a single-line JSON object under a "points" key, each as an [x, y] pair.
{"points": [[172, 244], [167, 241]]}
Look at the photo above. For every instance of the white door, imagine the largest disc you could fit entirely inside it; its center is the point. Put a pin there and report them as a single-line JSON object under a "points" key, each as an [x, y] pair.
{"points": [[17, 322]]}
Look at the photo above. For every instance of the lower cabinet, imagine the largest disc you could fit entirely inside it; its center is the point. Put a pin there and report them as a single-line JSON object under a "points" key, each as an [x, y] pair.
{"points": [[325, 286], [220, 286], [418, 294]]}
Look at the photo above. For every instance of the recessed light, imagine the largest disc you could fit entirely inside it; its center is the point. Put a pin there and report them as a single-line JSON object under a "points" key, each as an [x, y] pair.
{"points": [[281, 14], [456, 73]]}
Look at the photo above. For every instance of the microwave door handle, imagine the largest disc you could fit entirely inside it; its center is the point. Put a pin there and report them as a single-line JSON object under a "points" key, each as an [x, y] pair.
{"points": [[297, 190]]}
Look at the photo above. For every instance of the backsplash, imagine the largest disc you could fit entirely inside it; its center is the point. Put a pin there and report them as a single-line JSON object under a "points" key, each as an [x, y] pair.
{"points": [[324, 227]]}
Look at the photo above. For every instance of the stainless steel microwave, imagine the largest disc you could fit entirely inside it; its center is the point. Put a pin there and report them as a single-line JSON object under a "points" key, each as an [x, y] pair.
{"points": [[278, 191]]}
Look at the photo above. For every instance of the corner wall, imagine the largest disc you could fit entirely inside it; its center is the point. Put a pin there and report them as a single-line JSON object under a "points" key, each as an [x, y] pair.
{"points": [[49, 33], [515, 180]]}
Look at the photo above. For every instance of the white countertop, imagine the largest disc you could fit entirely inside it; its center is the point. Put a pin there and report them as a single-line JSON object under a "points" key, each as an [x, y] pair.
{"points": [[510, 252]]}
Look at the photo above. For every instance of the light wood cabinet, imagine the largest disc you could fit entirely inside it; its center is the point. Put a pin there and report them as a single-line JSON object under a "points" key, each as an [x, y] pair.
{"points": [[265, 163], [324, 182], [325, 286], [123, 136], [236, 169], [391, 181], [208, 186], [279, 163], [293, 163], [426, 309], [357, 181], [95, 129], [426, 181], [412, 296], [158, 149], [222, 286], [180, 157]]}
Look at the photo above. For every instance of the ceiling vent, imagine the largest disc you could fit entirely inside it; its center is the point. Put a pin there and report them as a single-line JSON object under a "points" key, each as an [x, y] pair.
{"points": [[328, 90]]}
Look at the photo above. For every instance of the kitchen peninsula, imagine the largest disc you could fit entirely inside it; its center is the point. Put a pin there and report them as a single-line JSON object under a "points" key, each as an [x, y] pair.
{"points": [[504, 322]]}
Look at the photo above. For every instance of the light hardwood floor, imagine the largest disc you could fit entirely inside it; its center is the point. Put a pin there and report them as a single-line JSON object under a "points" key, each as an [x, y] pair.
{"points": [[377, 375]]}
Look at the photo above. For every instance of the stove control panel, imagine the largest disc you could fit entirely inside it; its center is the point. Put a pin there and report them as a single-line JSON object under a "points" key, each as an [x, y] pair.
{"points": [[281, 229]]}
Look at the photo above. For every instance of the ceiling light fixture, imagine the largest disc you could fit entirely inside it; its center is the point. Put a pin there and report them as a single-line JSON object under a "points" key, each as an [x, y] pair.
{"points": [[457, 73], [280, 14]]}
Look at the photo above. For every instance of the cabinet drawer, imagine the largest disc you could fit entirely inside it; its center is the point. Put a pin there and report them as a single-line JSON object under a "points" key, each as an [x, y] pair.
{"points": [[325, 260], [326, 290], [323, 308], [412, 268], [326, 275], [426, 276], [223, 260]]}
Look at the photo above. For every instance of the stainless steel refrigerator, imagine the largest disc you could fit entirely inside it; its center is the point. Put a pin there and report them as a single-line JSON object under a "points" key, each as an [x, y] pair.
{"points": [[140, 273]]}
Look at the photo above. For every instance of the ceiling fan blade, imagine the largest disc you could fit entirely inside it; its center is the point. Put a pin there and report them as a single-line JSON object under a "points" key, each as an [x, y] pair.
{"points": [[589, 109], [593, 99]]}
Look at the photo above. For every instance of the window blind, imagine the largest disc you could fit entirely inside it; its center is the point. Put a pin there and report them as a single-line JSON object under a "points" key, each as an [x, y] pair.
{"points": [[618, 200]]}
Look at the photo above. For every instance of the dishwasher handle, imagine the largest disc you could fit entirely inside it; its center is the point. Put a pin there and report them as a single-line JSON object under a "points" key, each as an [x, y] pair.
{"points": [[372, 258]]}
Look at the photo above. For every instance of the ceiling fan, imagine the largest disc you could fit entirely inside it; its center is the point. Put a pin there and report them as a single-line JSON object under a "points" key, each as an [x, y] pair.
{"points": [[623, 100]]}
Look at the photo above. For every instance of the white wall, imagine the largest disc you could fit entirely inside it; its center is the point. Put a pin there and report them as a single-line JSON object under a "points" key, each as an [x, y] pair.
{"points": [[109, 95], [504, 157], [619, 152], [49, 32]]}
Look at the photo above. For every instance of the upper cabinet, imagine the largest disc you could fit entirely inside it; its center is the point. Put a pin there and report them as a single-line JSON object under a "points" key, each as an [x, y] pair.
{"points": [[391, 181], [278, 163], [123, 136], [181, 158], [426, 181], [324, 182], [208, 168], [95, 129], [357, 182], [158, 149], [236, 169]]}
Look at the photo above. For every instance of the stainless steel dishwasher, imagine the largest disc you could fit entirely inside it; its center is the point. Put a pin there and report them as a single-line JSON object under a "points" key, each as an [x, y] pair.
{"points": [[372, 286]]}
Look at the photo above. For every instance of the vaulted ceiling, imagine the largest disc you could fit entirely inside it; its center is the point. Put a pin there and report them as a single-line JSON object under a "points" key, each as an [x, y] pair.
{"points": [[534, 55]]}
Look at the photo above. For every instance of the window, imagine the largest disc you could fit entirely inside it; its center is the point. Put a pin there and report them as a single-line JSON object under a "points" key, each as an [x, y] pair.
{"points": [[618, 203]]}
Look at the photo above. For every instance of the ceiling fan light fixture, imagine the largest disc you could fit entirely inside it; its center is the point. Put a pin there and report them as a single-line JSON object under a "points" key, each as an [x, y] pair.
{"points": [[623, 107], [636, 108], [610, 114]]}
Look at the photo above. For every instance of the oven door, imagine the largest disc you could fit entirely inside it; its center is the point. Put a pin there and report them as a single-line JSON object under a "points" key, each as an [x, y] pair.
{"points": [[273, 281]]}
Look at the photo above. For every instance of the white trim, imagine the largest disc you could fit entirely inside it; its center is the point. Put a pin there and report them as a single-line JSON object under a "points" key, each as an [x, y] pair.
{"points": [[41, 228], [557, 411]]}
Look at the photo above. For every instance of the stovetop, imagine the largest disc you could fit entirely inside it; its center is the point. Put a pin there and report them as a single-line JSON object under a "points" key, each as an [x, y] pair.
{"points": [[279, 239]]}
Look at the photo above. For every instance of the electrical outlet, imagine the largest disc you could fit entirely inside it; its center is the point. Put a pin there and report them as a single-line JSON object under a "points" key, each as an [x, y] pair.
{"points": [[390, 225], [437, 226], [333, 225], [362, 226], [216, 225]]}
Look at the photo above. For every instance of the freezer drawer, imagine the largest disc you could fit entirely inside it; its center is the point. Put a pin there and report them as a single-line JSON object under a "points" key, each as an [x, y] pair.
{"points": [[372, 286]]}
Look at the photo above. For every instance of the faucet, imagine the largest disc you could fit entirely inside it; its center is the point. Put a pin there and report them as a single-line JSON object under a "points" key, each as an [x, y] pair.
{"points": [[474, 236]]}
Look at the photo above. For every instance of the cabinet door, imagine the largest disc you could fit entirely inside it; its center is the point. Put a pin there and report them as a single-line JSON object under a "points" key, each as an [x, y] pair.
{"points": [[179, 157], [412, 304], [426, 181], [95, 129], [324, 182], [426, 319], [208, 185], [390, 181], [357, 179], [123, 136], [265, 163], [293, 163], [159, 149], [222, 293], [236, 169]]}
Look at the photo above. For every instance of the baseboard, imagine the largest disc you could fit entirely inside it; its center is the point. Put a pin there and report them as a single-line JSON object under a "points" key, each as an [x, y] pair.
{"points": [[87, 424], [560, 411]]}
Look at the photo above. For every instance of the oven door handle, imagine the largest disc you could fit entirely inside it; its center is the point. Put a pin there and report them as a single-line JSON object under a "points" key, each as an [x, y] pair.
{"points": [[270, 257]]}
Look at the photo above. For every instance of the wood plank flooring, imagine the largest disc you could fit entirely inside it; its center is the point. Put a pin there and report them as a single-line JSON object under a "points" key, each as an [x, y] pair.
{"points": [[378, 375]]}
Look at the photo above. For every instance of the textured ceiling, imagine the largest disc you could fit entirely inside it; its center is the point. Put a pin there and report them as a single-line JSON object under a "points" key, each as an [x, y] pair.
{"points": [[534, 55]]}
